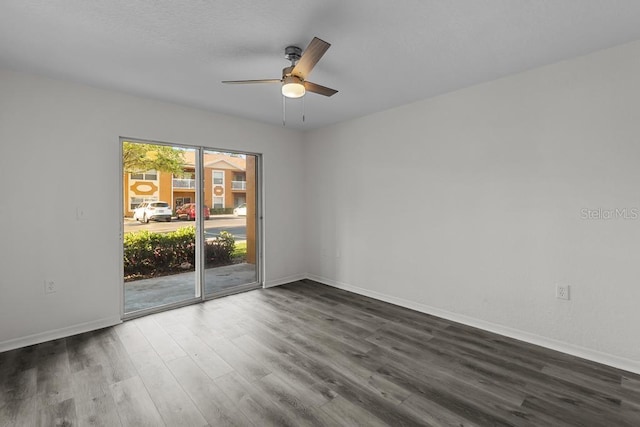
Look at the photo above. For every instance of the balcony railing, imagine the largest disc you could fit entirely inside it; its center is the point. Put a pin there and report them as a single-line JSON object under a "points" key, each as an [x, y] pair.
{"points": [[184, 183], [238, 185]]}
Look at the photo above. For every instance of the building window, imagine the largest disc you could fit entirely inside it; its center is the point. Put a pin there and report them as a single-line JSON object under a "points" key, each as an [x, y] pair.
{"points": [[218, 202], [151, 175], [134, 202], [182, 201], [218, 177]]}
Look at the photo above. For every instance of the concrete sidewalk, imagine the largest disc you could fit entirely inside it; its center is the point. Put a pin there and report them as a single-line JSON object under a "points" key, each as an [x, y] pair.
{"points": [[157, 291]]}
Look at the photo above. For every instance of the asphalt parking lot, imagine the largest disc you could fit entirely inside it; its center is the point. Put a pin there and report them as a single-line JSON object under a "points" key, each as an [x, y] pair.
{"points": [[236, 225]]}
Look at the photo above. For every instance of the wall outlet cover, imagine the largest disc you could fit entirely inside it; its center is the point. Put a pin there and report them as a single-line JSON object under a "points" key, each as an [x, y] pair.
{"points": [[562, 291], [49, 286]]}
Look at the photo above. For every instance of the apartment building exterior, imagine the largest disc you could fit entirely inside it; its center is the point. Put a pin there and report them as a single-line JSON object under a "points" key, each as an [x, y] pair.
{"points": [[225, 184]]}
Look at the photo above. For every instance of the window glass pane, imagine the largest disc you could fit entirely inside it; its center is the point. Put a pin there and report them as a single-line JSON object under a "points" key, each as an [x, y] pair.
{"points": [[160, 273], [151, 175], [135, 202], [180, 201], [238, 187], [218, 177]]}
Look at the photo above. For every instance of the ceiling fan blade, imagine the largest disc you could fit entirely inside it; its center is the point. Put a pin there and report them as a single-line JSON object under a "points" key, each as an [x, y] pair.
{"points": [[322, 90], [243, 82], [310, 57]]}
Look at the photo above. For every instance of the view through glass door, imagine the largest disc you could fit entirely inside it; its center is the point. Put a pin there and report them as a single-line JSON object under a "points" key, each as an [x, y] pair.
{"points": [[190, 225], [230, 193]]}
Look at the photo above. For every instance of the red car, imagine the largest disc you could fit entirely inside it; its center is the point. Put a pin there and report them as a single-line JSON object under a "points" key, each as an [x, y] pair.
{"points": [[188, 211]]}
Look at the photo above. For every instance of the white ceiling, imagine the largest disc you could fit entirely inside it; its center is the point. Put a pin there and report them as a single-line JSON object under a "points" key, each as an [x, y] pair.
{"points": [[383, 53]]}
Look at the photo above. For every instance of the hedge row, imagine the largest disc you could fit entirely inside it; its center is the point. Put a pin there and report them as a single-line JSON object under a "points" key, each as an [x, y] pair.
{"points": [[221, 211], [152, 254]]}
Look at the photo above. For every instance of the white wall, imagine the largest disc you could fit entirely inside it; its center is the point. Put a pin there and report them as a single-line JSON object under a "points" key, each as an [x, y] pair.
{"points": [[469, 205], [59, 149]]}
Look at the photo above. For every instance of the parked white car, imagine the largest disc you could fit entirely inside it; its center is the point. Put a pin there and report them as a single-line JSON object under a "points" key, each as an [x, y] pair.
{"points": [[241, 210], [152, 211]]}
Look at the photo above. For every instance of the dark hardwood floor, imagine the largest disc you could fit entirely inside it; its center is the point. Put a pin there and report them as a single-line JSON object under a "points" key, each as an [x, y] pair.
{"points": [[306, 354]]}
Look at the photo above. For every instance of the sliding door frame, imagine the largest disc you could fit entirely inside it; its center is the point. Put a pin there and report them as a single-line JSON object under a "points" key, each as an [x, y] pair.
{"points": [[200, 293], [259, 283]]}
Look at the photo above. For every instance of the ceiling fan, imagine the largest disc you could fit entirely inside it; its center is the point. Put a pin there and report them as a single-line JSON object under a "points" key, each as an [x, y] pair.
{"points": [[294, 78]]}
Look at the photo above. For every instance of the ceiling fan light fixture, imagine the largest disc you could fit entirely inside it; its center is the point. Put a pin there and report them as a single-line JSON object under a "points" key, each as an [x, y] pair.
{"points": [[292, 87]]}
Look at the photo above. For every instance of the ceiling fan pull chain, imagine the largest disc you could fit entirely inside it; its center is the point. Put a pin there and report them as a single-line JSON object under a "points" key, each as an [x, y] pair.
{"points": [[303, 110], [284, 109]]}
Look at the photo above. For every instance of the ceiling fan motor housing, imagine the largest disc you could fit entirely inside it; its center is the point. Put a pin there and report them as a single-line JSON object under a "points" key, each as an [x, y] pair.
{"points": [[293, 54]]}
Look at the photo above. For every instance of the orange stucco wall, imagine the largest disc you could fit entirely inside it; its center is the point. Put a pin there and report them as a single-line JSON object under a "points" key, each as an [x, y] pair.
{"points": [[129, 191], [208, 187], [165, 192], [165, 183]]}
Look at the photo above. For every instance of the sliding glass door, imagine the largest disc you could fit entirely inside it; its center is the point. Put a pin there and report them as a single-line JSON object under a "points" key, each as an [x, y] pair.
{"points": [[230, 249], [190, 228]]}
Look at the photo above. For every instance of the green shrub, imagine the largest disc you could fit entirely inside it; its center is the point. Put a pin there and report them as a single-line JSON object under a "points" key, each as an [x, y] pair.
{"points": [[220, 248], [221, 211], [148, 253]]}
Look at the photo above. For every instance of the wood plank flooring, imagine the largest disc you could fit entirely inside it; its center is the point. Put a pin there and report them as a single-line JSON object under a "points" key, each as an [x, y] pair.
{"points": [[305, 354]]}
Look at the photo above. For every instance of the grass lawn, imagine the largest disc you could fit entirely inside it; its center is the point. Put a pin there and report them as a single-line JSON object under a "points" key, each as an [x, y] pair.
{"points": [[240, 252]]}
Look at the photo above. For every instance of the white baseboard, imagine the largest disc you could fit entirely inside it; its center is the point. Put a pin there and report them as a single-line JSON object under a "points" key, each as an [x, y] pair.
{"points": [[58, 333], [284, 280], [574, 350], [101, 323]]}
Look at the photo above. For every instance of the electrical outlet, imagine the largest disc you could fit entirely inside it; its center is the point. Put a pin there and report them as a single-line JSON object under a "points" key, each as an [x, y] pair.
{"points": [[562, 291], [49, 286]]}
